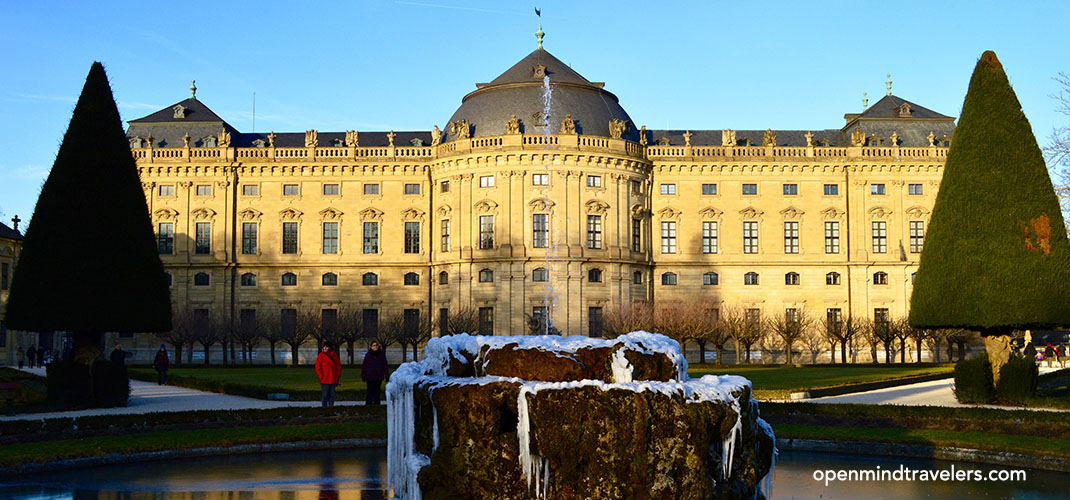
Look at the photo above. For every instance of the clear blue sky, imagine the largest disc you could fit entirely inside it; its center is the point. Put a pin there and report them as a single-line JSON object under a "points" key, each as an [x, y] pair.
{"points": [[404, 65]]}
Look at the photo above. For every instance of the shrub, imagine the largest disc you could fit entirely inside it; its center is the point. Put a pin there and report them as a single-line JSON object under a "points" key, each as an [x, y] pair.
{"points": [[111, 384], [973, 380], [1017, 380], [69, 384]]}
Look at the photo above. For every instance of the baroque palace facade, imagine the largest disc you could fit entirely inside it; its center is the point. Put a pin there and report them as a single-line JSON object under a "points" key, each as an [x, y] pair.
{"points": [[508, 204]]}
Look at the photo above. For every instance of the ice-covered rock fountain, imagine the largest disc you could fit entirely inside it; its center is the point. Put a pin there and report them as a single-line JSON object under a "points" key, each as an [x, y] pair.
{"points": [[570, 418]]}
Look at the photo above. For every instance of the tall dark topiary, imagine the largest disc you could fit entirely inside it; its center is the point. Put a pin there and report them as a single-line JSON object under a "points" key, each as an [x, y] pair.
{"points": [[89, 263], [996, 257]]}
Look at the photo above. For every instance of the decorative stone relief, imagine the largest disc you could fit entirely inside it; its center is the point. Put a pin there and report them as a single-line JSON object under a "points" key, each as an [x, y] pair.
{"points": [[222, 184], [931, 137], [203, 213], [596, 207], [186, 184], [669, 213], [185, 139], [894, 138], [879, 212], [371, 214], [436, 136], [461, 129], [710, 213], [330, 213], [390, 137], [165, 214], [664, 141], [751, 213], [642, 136], [687, 138], [728, 137], [352, 138], [638, 211], [617, 127], [311, 139], [898, 183], [290, 214], [223, 139], [567, 125], [148, 141], [918, 212], [512, 127], [769, 138], [831, 213], [792, 213], [147, 186], [485, 206], [250, 214], [858, 137], [444, 211], [541, 205], [135, 142], [180, 112], [538, 71], [412, 214]]}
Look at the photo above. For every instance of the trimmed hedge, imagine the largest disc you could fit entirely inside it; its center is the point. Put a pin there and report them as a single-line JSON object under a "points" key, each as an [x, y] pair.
{"points": [[973, 380], [1017, 380], [71, 385]]}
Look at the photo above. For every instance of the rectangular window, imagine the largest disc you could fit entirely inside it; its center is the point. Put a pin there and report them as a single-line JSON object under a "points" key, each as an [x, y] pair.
{"points": [[594, 231], [291, 190], [832, 189], [445, 235], [668, 189], [166, 239], [834, 316], [247, 319], [637, 235], [248, 238], [914, 189], [876, 189], [917, 235], [752, 316], [371, 189], [370, 323], [750, 237], [709, 189], [328, 322], [445, 186], [540, 231], [594, 181], [4, 271], [486, 232], [540, 179], [330, 189], [791, 237], [288, 320], [709, 237], [880, 316], [371, 237], [750, 189], [412, 189], [203, 244], [668, 237], [204, 189], [443, 321], [410, 322], [250, 190], [167, 190], [637, 187], [791, 189], [486, 181], [594, 322], [538, 313], [289, 237], [486, 321], [832, 237], [330, 237], [880, 237], [412, 237]]}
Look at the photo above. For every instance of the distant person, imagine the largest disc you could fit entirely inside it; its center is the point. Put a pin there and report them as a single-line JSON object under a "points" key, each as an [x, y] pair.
{"points": [[373, 372], [161, 364], [21, 355], [44, 359], [1060, 355], [31, 355], [118, 355], [329, 371], [1049, 354], [1030, 352]]}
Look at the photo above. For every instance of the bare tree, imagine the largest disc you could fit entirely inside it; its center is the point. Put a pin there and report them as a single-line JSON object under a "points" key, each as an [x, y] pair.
{"points": [[182, 332], [350, 328], [464, 319], [624, 318], [746, 327], [323, 326], [413, 333], [918, 335], [1058, 151], [769, 345], [209, 331], [718, 334], [297, 329], [934, 341], [681, 321], [389, 332], [790, 327], [246, 334], [541, 325], [814, 341], [273, 331], [960, 338], [838, 330]]}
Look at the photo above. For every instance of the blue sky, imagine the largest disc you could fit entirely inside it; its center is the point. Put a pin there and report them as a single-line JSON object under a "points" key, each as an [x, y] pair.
{"points": [[404, 65]]}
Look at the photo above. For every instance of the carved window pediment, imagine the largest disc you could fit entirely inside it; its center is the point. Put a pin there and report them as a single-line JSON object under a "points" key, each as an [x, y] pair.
{"points": [[709, 213], [165, 214], [330, 213], [444, 211], [486, 206], [6, 251], [541, 204], [371, 214], [669, 213], [638, 211], [792, 213], [290, 214], [250, 214], [203, 213], [918, 212], [596, 207], [879, 212], [832, 213], [751, 213], [412, 214]]}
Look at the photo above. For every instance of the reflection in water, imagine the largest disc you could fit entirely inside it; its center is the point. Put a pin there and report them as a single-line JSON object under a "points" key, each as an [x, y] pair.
{"points": [[360, 475]]}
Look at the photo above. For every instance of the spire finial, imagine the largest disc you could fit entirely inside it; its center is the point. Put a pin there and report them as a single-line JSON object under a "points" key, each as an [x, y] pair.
{"points": [[193, 90], [865, 101], [539, 34], [16, 221], [888, 83]]}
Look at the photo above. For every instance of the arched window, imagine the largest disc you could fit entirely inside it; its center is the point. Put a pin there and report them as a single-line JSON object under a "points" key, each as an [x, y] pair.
{"points": [[369, 279], [668, 278], [412, 279], [710, 278], [330, 279], [637, 277], [289, 279], [486, 276], [832, 279], [540, 274], [594, 275], [443, 278], [750, 278], [880, 278], [248, 279], [791, 278], [913, 276], [201, 279]]}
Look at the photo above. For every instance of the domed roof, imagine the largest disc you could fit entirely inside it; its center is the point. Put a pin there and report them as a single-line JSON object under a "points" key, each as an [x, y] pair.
{"points": [[519, 91]]}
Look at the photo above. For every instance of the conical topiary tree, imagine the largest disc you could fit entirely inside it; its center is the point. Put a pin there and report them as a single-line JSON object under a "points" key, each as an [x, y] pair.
{"points": [[996, 257], [89, 263]]}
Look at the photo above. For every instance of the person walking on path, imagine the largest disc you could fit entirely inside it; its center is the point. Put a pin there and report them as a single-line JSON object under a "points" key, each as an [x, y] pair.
{"points": [[31, 356], [372, 372], [161, 364], [1060, 354], [22, 356], [1049, 354], [329, 371], [118, 355]]}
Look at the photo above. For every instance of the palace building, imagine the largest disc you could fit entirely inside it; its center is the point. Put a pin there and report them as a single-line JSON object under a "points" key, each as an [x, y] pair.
{"points": [[507, 205]]}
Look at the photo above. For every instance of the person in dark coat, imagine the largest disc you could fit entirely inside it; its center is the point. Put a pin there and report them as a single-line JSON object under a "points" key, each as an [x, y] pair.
{"points": [[1030, 352], [1049, 354], [161, 364], [329, 371], [118, 355], [21, 354], [373, 372], [31, 356]]}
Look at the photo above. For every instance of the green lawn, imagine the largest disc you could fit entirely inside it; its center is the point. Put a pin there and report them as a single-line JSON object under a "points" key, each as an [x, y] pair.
{"points": [[778, 381], [257, 381], [1014, 443]]}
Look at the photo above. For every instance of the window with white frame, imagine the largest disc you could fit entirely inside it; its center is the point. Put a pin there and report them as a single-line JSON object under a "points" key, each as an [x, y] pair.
{"points": [[709, 237], [594, 181], [540, 231], [832, 278], [594, 231], [880, 237], [668, 189], [750, 278], [917, 235], [832, 237], [750, 237], [486, 181], [540, 179], [668, 237], [486, 232], [791, 237]]}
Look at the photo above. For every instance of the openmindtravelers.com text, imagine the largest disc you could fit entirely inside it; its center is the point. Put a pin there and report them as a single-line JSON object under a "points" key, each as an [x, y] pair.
{"points": [[904, 473]]}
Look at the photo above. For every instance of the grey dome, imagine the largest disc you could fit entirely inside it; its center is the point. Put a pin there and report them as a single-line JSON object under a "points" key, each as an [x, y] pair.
{"points": [[519, 92]]}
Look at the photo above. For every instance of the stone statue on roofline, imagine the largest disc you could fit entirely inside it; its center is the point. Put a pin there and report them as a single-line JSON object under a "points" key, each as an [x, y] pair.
{"points": [[728, 137], [436, 136], [617, 128], [769, 138], [568, 126], [311, 139]]}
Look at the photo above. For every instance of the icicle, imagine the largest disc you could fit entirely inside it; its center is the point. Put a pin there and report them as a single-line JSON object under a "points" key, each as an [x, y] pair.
{"points": [[622, 369], [434, 414], [523, 427], [730, 440]]}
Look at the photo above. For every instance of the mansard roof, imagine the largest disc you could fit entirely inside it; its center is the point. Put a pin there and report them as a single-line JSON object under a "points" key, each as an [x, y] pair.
{"points": [[194, 112], [888, 109], [8, 233]]}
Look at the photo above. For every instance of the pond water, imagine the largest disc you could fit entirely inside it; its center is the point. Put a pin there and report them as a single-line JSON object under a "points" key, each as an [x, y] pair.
{"points": [[361, 475]]}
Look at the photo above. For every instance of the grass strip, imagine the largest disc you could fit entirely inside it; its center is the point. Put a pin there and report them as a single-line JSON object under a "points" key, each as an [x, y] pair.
{"points": [[789, 409], [1026, 445], [49, 451], [779, 381]]}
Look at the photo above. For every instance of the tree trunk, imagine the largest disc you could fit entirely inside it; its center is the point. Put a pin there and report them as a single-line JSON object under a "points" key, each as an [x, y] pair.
{"points": [[902, 350], [843, 352], [888, 346], [272, 344], [701, 352], [415, 351], [962, 350], [999, 352], [919, 349], [720, 354], [787, 357], [207, 352], [178, 354], [349, 346], [404, 352], [294, 353], [189, 353]]}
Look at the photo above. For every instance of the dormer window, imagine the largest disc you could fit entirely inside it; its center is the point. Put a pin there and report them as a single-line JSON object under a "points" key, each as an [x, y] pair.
{"points": [[209, 142], [337, 143], [259, 143], [538, 71], [417, 142], [180, 112], [743, 142], [136, 143], [664, 141], [904, 110]]}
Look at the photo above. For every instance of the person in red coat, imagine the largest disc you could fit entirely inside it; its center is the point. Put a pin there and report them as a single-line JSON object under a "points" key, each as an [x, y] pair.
{"points": [[329, 370]]}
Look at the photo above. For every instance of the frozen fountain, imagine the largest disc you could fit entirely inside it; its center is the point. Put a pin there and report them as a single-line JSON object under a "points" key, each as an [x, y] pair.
{"points": [[531, 417]]}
